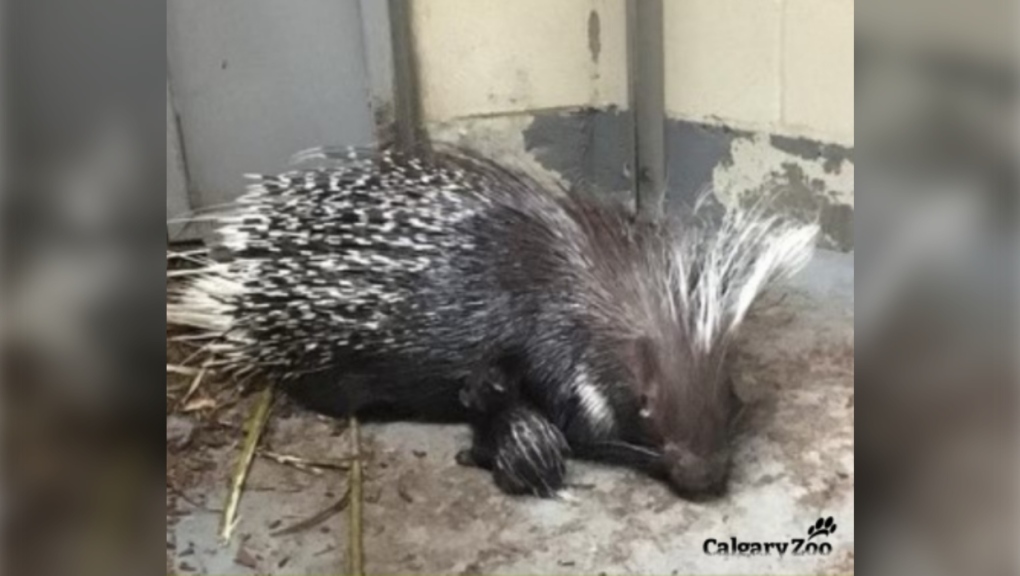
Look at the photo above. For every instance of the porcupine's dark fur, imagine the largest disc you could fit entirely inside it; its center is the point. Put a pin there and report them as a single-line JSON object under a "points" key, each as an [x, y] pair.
{"points": [[383, 282]]}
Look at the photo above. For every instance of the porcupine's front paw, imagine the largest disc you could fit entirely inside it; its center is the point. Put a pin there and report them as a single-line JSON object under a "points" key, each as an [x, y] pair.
{"points": [[529, 454]]}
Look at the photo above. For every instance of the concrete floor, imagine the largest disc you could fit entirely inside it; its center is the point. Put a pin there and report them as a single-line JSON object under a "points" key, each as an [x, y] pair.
{"points": [[425, 514]]}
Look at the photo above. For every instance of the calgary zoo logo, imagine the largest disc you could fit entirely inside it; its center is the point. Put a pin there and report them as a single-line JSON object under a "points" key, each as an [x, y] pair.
{"points": [[809, 546]]}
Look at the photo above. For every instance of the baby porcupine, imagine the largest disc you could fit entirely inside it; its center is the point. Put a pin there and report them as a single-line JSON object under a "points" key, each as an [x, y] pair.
{"points": [[378, 283], [524, 451]]}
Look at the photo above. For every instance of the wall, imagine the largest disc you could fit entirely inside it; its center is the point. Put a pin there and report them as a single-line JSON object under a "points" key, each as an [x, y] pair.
{"points": [[759, 95], [531, 82], [485, 57], [760, 98]]}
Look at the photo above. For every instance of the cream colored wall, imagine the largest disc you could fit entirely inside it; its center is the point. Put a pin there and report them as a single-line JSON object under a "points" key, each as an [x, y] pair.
{"points": [[773, 66], [487, 57]]}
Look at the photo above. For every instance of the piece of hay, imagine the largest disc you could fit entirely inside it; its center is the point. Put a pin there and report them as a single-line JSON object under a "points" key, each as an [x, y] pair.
{"points": [[193, 387], [305, 465], [182, 370], [318, 518], [355, 548], [255, 426]]}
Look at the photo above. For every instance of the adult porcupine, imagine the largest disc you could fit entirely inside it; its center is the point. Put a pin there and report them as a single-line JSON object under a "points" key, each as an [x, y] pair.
{"points": [[381, 283]]}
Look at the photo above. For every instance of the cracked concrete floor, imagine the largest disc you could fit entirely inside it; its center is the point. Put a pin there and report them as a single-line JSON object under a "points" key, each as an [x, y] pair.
{"points": [[425, 514]]}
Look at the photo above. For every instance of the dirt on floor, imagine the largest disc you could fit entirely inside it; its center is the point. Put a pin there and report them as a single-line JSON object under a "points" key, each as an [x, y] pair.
{"points": [[425, 514]]}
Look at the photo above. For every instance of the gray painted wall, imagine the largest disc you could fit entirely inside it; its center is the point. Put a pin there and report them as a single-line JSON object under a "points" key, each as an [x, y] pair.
{"points": [[254, 81]]}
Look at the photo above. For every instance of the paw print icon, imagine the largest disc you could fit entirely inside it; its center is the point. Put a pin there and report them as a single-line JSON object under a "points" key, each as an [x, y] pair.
{"points": [[823, 527]]}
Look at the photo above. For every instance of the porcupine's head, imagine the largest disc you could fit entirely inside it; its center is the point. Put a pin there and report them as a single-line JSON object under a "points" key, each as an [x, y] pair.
{"points": [[684, 304]]}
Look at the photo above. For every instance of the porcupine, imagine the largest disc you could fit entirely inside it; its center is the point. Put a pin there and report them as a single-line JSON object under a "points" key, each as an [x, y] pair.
{"points": [[385, 283]]}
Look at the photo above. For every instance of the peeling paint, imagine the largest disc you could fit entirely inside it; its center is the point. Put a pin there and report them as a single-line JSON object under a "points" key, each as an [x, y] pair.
{"points": [[586, 148], [592, 149], [805, 180], [832, 155], [755, 161]]}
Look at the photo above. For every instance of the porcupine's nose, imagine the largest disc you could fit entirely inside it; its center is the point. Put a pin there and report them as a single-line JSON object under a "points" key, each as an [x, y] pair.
{"points": [[695, 476]]}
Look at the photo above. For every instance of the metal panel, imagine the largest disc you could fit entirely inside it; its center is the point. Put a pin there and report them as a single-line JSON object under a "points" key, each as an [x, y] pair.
{"points": [[256, 80]]}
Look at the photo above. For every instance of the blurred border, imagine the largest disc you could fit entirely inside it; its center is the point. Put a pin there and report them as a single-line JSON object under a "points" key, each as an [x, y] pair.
{"points": [[83, 113], [936, 94]]}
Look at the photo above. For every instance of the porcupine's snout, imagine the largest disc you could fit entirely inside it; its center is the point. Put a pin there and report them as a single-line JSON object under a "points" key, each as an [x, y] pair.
{"points": [[696, 476]]}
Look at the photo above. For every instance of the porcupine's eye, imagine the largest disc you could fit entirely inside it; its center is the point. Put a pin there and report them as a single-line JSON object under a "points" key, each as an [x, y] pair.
{"points": [[646, 411]]}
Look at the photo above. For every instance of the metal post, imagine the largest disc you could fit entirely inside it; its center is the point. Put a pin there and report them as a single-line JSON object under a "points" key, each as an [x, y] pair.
{"points": [[648, 102], [406, 101]]}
